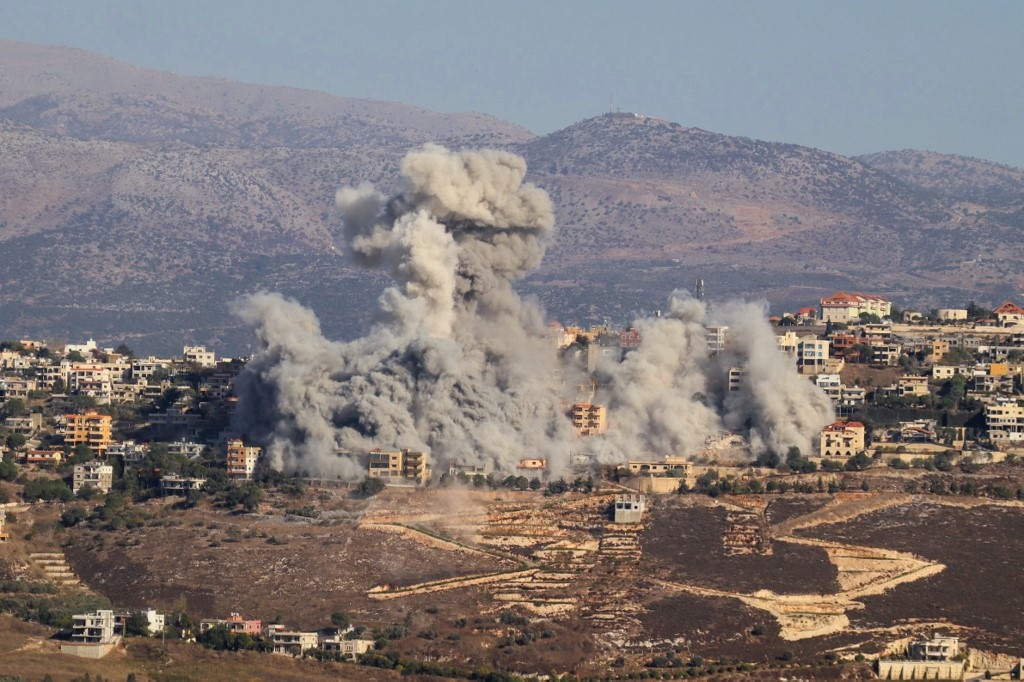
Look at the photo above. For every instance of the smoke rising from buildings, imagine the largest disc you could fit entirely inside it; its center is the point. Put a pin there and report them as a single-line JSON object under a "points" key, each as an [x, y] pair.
{"points": [[457, 363]]}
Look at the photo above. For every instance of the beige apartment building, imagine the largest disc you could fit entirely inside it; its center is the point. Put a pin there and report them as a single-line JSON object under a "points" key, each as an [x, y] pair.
{"points": [[841, 439], [399, 466]]}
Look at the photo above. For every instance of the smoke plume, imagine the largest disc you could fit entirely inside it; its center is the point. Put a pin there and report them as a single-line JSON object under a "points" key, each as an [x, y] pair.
{"points": [[458, 364]]}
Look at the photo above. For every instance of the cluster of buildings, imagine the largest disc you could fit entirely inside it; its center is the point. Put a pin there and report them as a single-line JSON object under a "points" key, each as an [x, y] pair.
{"points": [[292, 642], [92, 633], [845, 328]]}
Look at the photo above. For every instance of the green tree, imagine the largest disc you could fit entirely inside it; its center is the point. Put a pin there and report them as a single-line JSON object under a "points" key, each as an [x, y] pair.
{"points": [[16, 441], [8, 471], [340, 619], [137, 625], [13, 407], [370, 486]]}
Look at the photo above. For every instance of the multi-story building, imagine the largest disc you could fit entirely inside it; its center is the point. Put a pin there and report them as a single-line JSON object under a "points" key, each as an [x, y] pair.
{"points": [[27, 425], [1009, 314], [90, 428], [347, 648], [241, 460], [737, 375], [937, 648], [1005, 421], [186, 448], [198, 355], [155, 621], [886, 354], [293, 643], [399, 466], [93, 628], [909, 385], [180, 485], [831, 385], [718, 339], [589, 419], [812, 355], [129, 451], [96, 475], [844, 307], [841, 439]]}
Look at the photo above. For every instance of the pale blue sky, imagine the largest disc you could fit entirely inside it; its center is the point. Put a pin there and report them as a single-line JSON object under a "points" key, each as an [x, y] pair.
{"points": [[849, 77]]}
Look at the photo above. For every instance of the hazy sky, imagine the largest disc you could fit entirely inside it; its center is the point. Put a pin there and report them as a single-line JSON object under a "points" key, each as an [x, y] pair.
{"points": [[850, 77]]}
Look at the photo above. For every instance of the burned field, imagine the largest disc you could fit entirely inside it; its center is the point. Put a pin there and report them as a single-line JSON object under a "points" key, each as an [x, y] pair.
{"points": [[689, 541], [979, 590], [525, 582]]}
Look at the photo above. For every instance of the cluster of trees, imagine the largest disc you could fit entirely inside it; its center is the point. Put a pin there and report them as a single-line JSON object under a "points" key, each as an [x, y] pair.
{"points": [[491, 481], [713, 485], [219, 638]]}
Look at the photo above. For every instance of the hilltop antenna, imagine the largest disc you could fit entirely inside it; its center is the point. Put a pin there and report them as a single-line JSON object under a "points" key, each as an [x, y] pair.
{"points": [[611, 109]]}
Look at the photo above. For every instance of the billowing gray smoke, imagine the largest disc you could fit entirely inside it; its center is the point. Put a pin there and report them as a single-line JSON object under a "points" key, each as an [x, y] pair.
{"points": [[458, 364]]}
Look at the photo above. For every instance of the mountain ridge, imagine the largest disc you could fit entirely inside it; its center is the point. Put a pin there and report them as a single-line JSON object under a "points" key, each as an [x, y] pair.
{"points": [[146, 213]]}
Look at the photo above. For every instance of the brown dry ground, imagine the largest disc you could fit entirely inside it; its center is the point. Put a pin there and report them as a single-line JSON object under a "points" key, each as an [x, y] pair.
{"points": [[268, 565], [980, 589], [685, 545]]}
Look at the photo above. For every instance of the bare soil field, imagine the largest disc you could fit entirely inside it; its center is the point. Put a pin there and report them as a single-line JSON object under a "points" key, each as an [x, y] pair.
{"points": [[980, 590], [262, 566], [684, 543], [528, 583]]}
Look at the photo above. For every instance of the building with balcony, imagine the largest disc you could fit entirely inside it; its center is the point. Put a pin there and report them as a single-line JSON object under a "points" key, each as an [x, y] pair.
{"points": [[397, 467], [841, 439], [241, 460], [93, 628], [589, 419], [845, 308], [198, 355], [96, 475], [90, 428]]}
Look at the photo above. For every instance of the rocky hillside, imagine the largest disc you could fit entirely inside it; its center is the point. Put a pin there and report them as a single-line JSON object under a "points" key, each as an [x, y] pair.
{"points": [[955, 177], [137, 204]]}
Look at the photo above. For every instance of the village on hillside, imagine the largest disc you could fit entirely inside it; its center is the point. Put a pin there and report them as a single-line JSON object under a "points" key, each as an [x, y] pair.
{"points": [[929, 391]]}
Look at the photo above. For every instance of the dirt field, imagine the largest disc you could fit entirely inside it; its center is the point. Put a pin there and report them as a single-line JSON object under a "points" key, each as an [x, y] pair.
{"points": [[980, 590], [757, 579]]}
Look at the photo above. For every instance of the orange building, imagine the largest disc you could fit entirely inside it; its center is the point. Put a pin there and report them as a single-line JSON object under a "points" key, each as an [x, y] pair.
{"points": [[589, 419], [242, 460], [91, 428]]}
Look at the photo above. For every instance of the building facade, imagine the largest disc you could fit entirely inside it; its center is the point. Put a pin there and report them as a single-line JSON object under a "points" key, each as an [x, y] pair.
{"points": [[241, 460], [399, 466], [90, 428], [96, 475]]}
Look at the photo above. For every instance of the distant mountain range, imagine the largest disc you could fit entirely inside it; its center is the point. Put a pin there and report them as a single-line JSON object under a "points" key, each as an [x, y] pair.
{"points": [[135, 205]]}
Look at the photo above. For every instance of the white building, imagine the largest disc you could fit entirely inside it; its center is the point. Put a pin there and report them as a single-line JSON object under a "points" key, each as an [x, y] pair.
{"points": [[1005, 421], [293, 643], [198, 355], [93, 628], [337, 644], [94, 474]]}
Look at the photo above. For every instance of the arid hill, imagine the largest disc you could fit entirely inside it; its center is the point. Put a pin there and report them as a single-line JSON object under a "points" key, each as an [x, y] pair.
{"points": [[136, 205]]}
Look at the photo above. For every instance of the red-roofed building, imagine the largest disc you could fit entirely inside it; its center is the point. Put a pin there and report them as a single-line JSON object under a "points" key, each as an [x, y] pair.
{"points": [[1009, 314], [808, 314], [844, 307], [842, 439]]}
